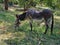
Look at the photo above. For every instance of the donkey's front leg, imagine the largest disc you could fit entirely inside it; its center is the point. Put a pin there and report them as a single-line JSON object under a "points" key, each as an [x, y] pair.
{"points": [[46, 23], [31, 21], [31, 25], [46, 29]]}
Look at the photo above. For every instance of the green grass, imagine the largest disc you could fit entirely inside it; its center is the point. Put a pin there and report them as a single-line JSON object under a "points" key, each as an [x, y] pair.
{"points": [[24, 36]]}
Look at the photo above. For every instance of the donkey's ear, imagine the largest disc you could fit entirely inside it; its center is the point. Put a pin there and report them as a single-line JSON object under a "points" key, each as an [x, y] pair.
{"points": [[16, 15]]}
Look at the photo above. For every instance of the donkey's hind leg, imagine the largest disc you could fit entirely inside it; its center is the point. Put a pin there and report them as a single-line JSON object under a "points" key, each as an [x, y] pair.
{"points": [[49, 24], [52, 28], [52, 23]]}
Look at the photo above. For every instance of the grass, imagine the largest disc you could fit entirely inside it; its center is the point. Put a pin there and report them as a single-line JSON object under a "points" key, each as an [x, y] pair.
{"points": [[24, 36]]}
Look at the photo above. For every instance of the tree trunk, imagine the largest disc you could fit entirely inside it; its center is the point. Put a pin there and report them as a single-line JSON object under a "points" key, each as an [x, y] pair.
{"points": [[6, 4], [26, 7]]}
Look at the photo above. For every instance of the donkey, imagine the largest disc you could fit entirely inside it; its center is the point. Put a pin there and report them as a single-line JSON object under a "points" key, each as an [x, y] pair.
{"points": [[46, 14]]}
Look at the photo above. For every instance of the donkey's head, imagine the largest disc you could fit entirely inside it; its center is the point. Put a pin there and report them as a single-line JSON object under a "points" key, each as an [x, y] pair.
{"points": [[19, 17]]}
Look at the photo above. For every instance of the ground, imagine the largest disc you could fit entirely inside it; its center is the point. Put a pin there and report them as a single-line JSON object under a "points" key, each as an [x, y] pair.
{"points": [[23, 36]]}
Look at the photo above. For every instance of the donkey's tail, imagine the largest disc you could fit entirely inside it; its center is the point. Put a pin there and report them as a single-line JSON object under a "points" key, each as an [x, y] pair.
{"points": [[52, 24], [52, 20]]}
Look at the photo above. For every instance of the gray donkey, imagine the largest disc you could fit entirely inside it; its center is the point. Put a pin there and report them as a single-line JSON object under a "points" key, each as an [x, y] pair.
{"points": [[46, 14]]}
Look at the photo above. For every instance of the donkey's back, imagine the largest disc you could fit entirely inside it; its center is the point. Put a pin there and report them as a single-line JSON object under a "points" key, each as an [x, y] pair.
{"points": [[34, 14], [46, 13]]}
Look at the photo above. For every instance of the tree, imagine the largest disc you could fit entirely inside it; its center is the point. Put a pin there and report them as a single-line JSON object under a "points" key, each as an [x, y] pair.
{"points": [[6, 4], [28, 3], [23, 3], [1, 1], [58, 4]]}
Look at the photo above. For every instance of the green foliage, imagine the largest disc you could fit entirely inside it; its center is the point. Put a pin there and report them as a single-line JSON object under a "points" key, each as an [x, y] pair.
{"points": [[1, 7], [6, 16], [57, 4], [28, 3], [53, 3], [22, 2], [49, 2], [1, 1], [32, 3], [13, 2], [57, 13]]}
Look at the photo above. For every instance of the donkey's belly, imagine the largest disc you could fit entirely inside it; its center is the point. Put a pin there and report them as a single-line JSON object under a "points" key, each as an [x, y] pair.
{"points": [[36, 16]]}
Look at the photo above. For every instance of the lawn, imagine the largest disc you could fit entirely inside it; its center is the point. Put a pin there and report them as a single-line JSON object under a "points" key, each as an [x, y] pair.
{"points": [[23, 36]]}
